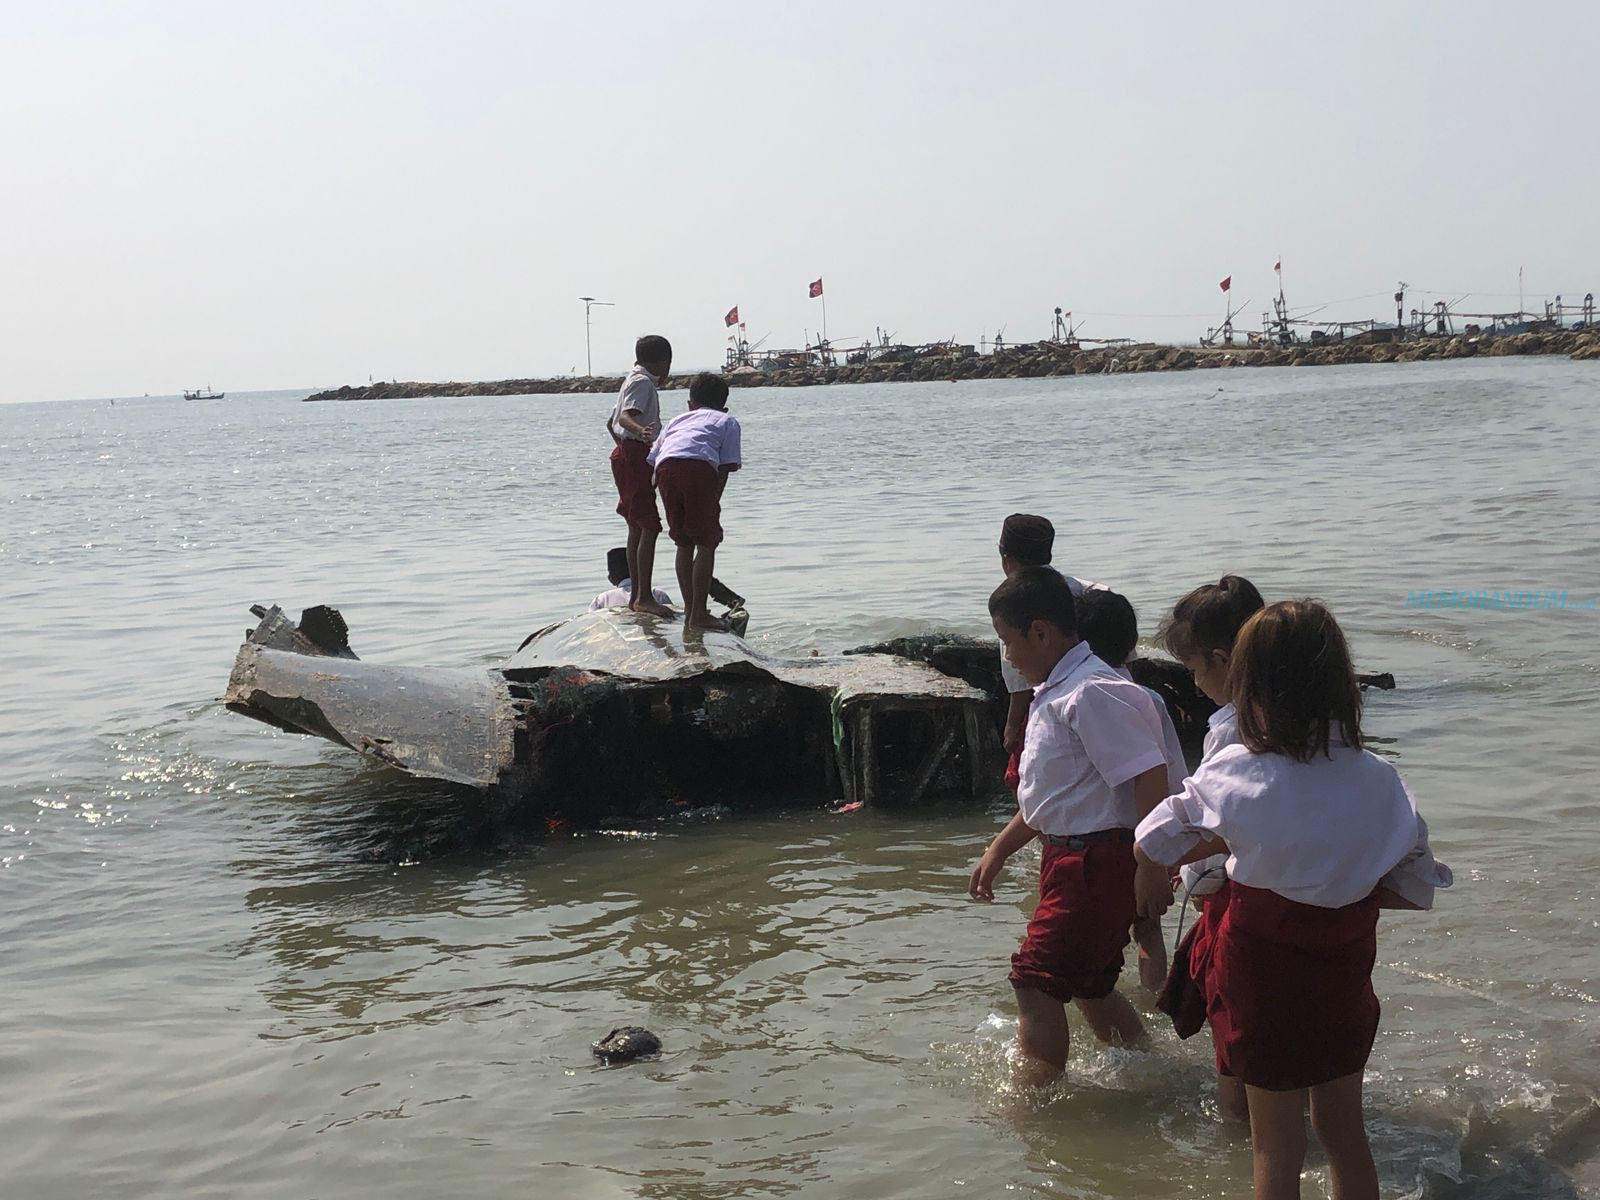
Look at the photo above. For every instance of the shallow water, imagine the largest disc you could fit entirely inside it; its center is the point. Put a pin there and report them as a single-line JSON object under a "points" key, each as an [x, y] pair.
{"points": [[246, 964]]}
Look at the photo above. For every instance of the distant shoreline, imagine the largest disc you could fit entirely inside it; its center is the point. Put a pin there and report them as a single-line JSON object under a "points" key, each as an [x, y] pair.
{"points": [[1038, 361]]}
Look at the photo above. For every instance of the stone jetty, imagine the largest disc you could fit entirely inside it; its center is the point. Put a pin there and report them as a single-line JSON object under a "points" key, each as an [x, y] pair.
{"points": [[1037, 361]]}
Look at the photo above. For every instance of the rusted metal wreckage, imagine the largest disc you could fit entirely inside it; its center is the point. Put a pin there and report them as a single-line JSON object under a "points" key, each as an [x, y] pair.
{"points": [[618, 713], [593, 712]]}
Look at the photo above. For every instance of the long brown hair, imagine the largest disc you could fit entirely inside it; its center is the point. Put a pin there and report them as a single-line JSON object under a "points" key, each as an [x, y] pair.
{"points": [[1291, 680]]}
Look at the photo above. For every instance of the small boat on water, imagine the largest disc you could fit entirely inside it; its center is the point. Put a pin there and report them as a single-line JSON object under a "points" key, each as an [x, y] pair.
{"points": [[204, 393]]}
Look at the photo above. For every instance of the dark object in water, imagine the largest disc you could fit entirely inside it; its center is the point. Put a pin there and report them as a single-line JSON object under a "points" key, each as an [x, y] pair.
{"points": [[629, 1043], [618, 714]]}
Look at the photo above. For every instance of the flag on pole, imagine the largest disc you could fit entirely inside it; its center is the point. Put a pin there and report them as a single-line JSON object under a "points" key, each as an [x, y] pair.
{"points": [[1226, 283], [741, 326], [1278, 266], [732, 316], [816, 288]]}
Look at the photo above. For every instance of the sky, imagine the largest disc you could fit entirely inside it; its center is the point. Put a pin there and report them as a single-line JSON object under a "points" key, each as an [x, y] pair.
{"points": [[308, 194]]}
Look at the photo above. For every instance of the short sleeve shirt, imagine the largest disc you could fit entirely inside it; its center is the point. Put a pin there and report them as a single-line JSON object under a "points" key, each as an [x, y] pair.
{"points": [[639, 397], [1090, 733], [708, 434]]}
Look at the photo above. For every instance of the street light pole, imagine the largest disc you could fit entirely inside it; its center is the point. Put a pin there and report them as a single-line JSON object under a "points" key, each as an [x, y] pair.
{"points": [[588, 354]]}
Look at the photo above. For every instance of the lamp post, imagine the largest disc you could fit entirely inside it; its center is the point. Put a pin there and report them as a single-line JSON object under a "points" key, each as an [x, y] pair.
{"points": [[588, 355]]}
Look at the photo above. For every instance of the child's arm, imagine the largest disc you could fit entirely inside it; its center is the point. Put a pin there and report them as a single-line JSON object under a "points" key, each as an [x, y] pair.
{"points": [[645, 433], [1007, 842], [1152, 885], [722, 479]]}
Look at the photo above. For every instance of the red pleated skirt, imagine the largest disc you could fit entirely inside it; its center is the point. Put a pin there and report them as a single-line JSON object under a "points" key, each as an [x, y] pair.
{"points": [[1287, 986]]}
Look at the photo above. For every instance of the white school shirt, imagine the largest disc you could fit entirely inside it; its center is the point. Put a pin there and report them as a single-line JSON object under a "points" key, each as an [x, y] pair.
{"points": [[1222, 730], [1171, 747], [641, 396], [1010, 675], [1090, 732], [621, 595], [1324, 832], [708, 434], [1208, 875]]}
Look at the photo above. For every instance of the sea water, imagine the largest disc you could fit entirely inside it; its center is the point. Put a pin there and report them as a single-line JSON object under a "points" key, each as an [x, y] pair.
{"points": [[240, 963]]}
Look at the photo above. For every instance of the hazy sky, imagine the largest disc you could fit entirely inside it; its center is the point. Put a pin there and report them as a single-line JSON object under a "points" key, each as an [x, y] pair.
{"points": [[286, 194]]}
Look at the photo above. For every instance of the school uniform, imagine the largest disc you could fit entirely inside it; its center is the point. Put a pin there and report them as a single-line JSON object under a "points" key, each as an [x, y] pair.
{"points": [[1222, 729], [622, 595], [1089, 734], [1286, 971], [640, 397], [1015, 684], [1205, 882], [688, 459]]}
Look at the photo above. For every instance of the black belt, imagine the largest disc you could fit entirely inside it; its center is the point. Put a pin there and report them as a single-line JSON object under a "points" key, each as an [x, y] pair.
{"points": [[1077, 841]]}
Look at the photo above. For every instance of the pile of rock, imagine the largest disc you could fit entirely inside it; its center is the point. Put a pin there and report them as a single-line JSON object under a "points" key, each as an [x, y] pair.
{"points": [[1041, 360]]}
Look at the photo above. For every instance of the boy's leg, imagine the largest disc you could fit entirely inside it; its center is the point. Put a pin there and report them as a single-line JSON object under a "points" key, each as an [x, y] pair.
{"points": [[1152, 953], [1337, 1120], [1112, 1019], [633, 553], [1277, 1142], [643, 580], [683, 563], [705, 566], [1042, 1036]]}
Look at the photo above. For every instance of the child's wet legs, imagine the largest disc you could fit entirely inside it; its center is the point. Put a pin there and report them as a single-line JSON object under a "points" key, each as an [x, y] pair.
{"points": [[1277, 1142], [1231, 1097], [1042, 1036], [1112, 1019], [1336, 1118]]}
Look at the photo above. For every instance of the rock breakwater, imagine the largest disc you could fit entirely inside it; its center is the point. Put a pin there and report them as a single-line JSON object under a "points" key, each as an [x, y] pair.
{"points": [[1043, 360]]}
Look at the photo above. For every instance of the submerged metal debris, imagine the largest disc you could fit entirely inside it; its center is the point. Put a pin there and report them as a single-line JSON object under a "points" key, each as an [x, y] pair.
{"points": [[618, 712]]}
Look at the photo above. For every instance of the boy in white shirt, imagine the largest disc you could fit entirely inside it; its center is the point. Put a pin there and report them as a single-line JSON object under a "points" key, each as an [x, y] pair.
{"points": [[1106, 621], [1092, 766], [634, 422], [693, 458]]}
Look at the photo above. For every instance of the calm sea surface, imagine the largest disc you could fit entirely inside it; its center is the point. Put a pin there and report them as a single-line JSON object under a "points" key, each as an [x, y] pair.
{"points": [[232, 967]]}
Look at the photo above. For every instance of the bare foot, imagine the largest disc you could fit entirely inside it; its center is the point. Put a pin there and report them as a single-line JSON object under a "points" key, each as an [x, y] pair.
{"points": [[708, 623], [650, 606], [1152, 955]]}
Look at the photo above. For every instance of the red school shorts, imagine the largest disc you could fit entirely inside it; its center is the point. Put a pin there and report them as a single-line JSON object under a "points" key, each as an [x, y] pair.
{"points": [[1288, 989], [690, 492], [636, 494], [1074, 944]]}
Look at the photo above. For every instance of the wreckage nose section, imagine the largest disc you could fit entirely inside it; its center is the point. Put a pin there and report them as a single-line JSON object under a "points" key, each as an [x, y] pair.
{"points": [[455, 725]]}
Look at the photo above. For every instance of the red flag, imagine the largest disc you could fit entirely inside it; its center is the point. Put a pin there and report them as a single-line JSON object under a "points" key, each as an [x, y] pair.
{"points": [[1226, 283], [732, 316], [816, 288], [1278, 266]]}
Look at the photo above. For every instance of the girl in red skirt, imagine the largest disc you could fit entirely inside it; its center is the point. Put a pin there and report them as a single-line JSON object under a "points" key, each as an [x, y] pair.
{"points": [[1320, 834]]}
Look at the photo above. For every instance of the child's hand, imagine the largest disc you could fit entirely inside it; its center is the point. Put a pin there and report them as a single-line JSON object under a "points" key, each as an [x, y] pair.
{"points": [[981, 885], [1152, 889]]}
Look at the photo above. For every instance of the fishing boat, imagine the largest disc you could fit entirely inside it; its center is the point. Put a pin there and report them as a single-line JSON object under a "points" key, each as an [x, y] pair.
{"points": [[204, 393]]}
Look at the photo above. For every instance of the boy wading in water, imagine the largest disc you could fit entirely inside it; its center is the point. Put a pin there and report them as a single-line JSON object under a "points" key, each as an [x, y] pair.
{"points": [[633, 425], [1092, 765], [693, 458]]}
